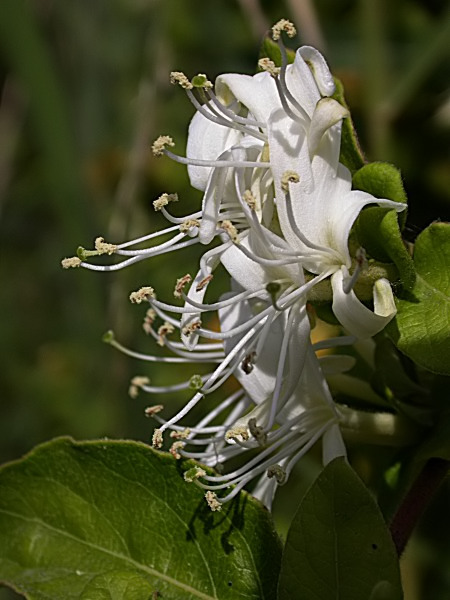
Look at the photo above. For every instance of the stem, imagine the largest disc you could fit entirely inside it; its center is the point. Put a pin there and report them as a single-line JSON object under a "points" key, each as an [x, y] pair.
{"points": [[417, 500]]}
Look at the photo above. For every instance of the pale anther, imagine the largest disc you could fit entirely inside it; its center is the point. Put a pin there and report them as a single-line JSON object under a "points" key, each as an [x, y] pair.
{"points": [[203, 283], [212, 501], [153, 410], [283, 25], [287, 178], [174, 449], [159, 145], [180, 435], [164, 200], [103, 247], [201, 81], [189, 224], [164, 330], [239, 433], [136, 384], [180, 285], [181, 79], [193, 474], [230, 229], [142, 295], [157, 439], [191, 327], [68, 263], [265, 64], [249, 199]]}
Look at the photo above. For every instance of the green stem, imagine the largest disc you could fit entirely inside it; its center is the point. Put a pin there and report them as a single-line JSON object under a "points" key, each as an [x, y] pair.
{"points": [[417, 500]]}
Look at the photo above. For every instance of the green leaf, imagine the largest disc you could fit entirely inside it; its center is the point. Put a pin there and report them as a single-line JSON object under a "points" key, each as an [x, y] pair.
{"points": [[351, 154], [105, 519], [338, 545], [421, 329], [377, 229]]}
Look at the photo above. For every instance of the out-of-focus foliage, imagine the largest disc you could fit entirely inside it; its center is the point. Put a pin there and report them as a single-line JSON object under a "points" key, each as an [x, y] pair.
{"points": [[84, 91]]}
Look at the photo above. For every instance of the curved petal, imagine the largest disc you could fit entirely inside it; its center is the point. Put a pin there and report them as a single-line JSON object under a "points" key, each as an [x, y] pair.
{"points": [[207, 140], [327, 113], [333, 445], [319, 68], [258, 93], [353, 315]]}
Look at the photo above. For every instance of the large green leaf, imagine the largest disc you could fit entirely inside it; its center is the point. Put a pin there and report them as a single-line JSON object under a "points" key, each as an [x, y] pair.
{"points": [[338, 545], [421, 328], [101, 520]]}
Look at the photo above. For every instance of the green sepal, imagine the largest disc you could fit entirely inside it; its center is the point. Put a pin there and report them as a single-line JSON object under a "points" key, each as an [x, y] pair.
{"points": [[376, 228], [338, 545], [351, 154], [421, 328], [270, 49]]}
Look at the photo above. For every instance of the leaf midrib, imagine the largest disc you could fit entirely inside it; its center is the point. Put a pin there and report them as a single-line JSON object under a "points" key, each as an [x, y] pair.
{"points": [[136, 565]]}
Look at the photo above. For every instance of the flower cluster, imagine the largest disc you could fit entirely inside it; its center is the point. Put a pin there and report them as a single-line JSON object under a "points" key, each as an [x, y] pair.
{"points": [[279, 207]]}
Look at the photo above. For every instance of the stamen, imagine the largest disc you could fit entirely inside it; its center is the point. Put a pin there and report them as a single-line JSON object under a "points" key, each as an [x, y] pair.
{"points": [[174, 449], [203, 283], [149, 319], [287, 178], [283, 25], [269, 66], [177, 77], [191, 327], [164, 330], [180, 435], [151, 411], [181, 283], [237, 434], [144, 294], [201, 81], [230, 229], [193, 474], [257, 432], [103, 248], [164, 200], [136, 384], [249, 199], [213, 501], [159, 145], [68, 263], [157, 439], [189, 224]]}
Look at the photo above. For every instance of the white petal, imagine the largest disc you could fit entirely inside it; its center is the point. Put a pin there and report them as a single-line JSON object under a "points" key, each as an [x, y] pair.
{"points": [[319, 68], [258, 93], [383, 299], [206, 141], [327, 113], [351, 312]]}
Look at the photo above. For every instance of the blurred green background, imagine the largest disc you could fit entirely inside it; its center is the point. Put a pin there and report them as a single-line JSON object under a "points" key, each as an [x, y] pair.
{"points": [[84, 91]]}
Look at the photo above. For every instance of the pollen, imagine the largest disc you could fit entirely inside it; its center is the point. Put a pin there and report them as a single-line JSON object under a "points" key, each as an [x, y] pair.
{"points": [[191, 327], [141, 295], [159, 145], [149, 319], [180, 285], [180, 435], [103, 247], [153, 410], [249, 199], [287, 178], [136, 384], [189, 224], [239, 433], [177, 77], [164, 200], [203, 283], [157, 439], [213, 501], [163, 331], [265, 64], [229, 228], [174, 449], [193, 474], [283, 25], [68, 263]]}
